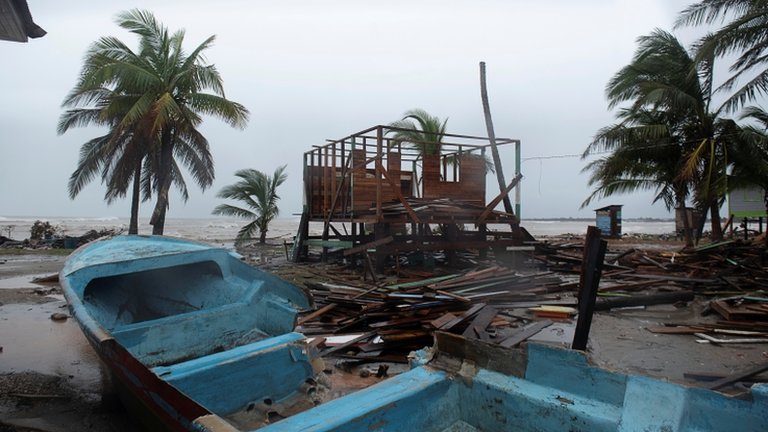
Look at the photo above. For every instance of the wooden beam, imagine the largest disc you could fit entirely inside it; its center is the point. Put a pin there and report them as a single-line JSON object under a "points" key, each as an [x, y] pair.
{"points": [[591, 270], [316, 313], [369, 245], [489, 208], [379, 154], [398, 192], [348, 344], [476, 328], [525, 333]]}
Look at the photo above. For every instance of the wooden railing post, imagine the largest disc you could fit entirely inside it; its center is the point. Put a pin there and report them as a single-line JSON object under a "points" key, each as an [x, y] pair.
{"points": [[379, 152]]}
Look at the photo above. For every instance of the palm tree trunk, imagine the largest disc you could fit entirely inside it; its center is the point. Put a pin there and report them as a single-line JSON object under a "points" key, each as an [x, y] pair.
{"points": [[714, 215], [687, 231], [133, 227], [263, 237], [164, 184], [765, 201], [492, 137]]}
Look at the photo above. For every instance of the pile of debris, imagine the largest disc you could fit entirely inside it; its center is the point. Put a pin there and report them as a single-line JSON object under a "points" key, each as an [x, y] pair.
{"points": [[57, 242], [730, 276], [384, 321], [389, 321]]}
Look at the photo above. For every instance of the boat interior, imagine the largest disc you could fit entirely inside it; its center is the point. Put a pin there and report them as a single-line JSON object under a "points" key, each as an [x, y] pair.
{"points": [[206, 325]]}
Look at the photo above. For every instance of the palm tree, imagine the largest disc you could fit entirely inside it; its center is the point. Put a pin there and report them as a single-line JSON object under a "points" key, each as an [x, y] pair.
{"points": [[165, 98], [664, 80], [117, 155], [258, 192], [643, 156], [746, 35], [421, 130]]}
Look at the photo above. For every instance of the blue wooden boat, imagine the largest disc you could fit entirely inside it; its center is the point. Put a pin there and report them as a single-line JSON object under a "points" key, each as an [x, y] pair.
{"points": [[188, 330], [205, 343]]}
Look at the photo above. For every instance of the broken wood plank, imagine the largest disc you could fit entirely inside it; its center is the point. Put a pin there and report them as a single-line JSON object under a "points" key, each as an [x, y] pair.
{"points": [[591, 270], [730, 379], [525, 333], [492, 205], [465, 316], [348, 344], [481, 321], [443, 320], [643, 300], [316, 313]]}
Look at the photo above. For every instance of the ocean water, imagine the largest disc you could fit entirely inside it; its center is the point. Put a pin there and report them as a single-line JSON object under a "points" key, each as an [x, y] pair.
{"points": [[224, 230]]}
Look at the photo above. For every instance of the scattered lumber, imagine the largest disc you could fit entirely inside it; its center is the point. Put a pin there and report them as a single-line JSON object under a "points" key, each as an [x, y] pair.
{"points": [[387, 318], [730, 379]]}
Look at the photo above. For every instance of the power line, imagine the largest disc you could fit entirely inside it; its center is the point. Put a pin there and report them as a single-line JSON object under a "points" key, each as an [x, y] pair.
{"points": [[566, 156]]}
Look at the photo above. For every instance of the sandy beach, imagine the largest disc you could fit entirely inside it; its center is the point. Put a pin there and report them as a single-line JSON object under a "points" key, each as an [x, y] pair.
{"points": [[51, 380]]}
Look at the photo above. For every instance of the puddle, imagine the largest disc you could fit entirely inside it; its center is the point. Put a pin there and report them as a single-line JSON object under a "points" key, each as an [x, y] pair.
{"points": [[31, 341], [22, 282]]}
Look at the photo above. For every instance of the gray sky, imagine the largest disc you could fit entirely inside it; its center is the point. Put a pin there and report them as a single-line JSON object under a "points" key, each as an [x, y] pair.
{"points": [[310, 70]]}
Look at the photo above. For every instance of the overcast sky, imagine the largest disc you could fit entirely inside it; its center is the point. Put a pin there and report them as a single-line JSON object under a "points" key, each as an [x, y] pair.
{"points": [[310, 71]]}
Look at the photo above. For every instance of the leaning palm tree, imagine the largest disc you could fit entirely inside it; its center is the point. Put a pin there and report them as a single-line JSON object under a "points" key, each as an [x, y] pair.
{"points": [[745, 34], [664, 78], [168, 86], [258, 192], [643, 155]]}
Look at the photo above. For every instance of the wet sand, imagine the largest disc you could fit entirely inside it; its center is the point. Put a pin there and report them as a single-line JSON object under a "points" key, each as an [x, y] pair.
{"points": [[51, 379]]}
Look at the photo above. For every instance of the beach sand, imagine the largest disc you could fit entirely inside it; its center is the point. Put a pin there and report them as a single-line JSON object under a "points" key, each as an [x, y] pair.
{"points": [[51, 360]]}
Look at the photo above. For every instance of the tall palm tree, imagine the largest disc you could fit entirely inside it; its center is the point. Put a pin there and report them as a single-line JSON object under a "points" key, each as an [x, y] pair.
{"points": [[258, 192], [664, 78], [745, 34], [168, 98], [117, 155]]}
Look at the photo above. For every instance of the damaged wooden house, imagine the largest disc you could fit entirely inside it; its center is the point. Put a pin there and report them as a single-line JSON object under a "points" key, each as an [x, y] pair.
{"points": [[371, 192]]}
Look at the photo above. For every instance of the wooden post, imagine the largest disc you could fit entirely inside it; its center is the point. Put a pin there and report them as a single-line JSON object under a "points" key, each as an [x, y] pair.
{"points": [[591, 270], [379, 152], [492, 138]]}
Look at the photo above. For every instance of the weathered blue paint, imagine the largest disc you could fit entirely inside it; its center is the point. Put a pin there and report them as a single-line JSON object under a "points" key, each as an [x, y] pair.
{"points": [[216, 335], [560, 391], [417, 400], [226, 382]]}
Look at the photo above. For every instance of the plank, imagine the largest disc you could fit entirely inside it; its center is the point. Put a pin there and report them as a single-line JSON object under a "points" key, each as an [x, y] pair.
{"points": [[465, 316], [366, 246], [442, 320], [717, 341], [643, 300], [738, 376], [591, 270], [525, 333], [316, 313], [483, 318], [348, 344]]}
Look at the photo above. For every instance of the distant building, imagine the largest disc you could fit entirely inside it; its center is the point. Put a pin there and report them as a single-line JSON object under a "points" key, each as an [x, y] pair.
{"points": [[16, 22], [608, 220], [747, 203]]}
